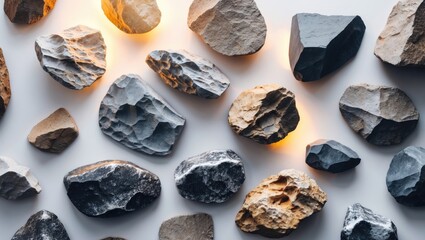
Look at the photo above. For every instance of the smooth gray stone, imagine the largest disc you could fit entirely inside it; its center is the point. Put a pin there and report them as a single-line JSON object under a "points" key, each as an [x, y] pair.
{"points": [[188, 73], [191, 227], [211, 177], [27, 11], [133, 114]]}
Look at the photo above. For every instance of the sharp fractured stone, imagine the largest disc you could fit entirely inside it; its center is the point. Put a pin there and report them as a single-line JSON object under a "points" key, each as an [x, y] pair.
{"points": [[27, 11], [133, 114], [381, 115], [5, 92], [191, 227], [75, 58], [188, 73]]}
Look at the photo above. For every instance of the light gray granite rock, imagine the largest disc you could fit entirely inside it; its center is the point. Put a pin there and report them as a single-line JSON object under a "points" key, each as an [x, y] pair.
{"points": [[27, 11], [191, 227]]}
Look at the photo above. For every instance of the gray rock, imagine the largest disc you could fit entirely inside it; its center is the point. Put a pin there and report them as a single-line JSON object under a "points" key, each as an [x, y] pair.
{"points": [[75, 58], [188, 73], [321, 44], [331, 156], [406, 177], [381, 115], [5, 92], [43, 225], [27, 11], [111, 188], [133, 114], [191, 227], [211, 177], [232, 28], [362, 224], [16, 181]]}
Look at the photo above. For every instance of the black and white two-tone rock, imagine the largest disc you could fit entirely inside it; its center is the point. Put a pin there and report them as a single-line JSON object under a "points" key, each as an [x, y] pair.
{"points": [[133, 114], [111, 188], [406, 177], [199, 226], [16, 181], [188, 73], [43, 225], [362, 224], [321, 44], [331, 156], [382, 115], [211, 177]]}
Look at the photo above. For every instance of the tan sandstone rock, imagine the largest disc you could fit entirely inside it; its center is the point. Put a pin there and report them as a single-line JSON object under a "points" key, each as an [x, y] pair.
{"points": [[5, 92]]}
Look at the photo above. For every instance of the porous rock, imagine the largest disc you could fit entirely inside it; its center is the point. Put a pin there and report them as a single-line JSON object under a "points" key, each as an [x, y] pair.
{"points": [[27, 11], [5, 92], [191, 227]]}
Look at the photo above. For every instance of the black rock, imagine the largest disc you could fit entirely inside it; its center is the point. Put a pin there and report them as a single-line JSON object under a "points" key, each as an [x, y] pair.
{"points": [[331, 156], [43, 225], [192, 227], [27, 11], [133, 114], [321, 44], [211, 177], [111, 188], [362, 224], [406, 177]]}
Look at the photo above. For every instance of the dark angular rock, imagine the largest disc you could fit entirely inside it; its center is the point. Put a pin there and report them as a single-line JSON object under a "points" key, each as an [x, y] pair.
{"points": [[111, 188], [133, 114], [27, 11], [188, 73], [381, 115], [265, 114], [331, 156], [191, 227], [362, 224], [406, 177], [321, 44], [210, 177], [5, 92], [43, 225]]}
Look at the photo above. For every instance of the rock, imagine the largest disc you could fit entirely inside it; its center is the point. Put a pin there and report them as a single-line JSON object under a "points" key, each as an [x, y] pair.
{"points": [[279, 203], [265, 114], [381, 115], [321, 44], [406, 177], [133, 114], [211, 177], [16, 181], [43, 225], [331, 156], [54, 133], [5, 92], [188, 73], [132, 16], [362, 224], [111, 188], [401, 42], [75, 58], [191, 227], [27, 11], [232, 28]]}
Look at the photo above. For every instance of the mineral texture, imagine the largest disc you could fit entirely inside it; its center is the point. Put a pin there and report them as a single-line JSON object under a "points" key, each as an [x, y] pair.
{"points": [[27, 11], [5, 92], [191, 227]]}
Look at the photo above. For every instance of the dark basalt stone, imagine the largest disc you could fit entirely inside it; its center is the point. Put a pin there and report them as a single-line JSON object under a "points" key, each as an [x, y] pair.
{"points": [[27, 11], [111, 188], [321, 44], [191, 227]]}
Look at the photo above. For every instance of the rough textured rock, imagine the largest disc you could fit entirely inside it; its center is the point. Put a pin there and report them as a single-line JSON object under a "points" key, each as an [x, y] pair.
{"points": [[75, 58], [406, 177], [54, 133], [5, 92], [279, 203], [321, 44], [265, 114], [381, 115], [188, 73], [191, 227], [43, 225], [111, 188], [232, 28], [132, 16], [401, 42], [133, 114], [27, 11], [16, 181], [362, 224], [331, 156], [211, 177]]}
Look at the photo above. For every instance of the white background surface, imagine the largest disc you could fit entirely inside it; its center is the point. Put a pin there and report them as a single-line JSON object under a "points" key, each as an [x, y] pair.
{"points": [[36, 95]]}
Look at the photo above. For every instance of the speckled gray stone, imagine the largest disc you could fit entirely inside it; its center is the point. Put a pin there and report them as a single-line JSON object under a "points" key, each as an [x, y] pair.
{"points": [[191, 227]]}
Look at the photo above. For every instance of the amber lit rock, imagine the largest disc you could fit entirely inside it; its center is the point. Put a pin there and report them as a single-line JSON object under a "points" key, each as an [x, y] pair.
{"points": [[27, 11], [5, 92]]}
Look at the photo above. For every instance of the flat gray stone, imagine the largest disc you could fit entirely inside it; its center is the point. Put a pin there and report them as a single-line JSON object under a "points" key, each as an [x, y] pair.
{"points": [[5, 92], [27, 11], [191, 227]]}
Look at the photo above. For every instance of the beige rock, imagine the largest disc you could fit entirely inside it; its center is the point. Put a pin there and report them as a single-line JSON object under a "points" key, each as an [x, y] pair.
{"points": [[132, 16], [279, 203], [55, 133], [5, 92]]}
